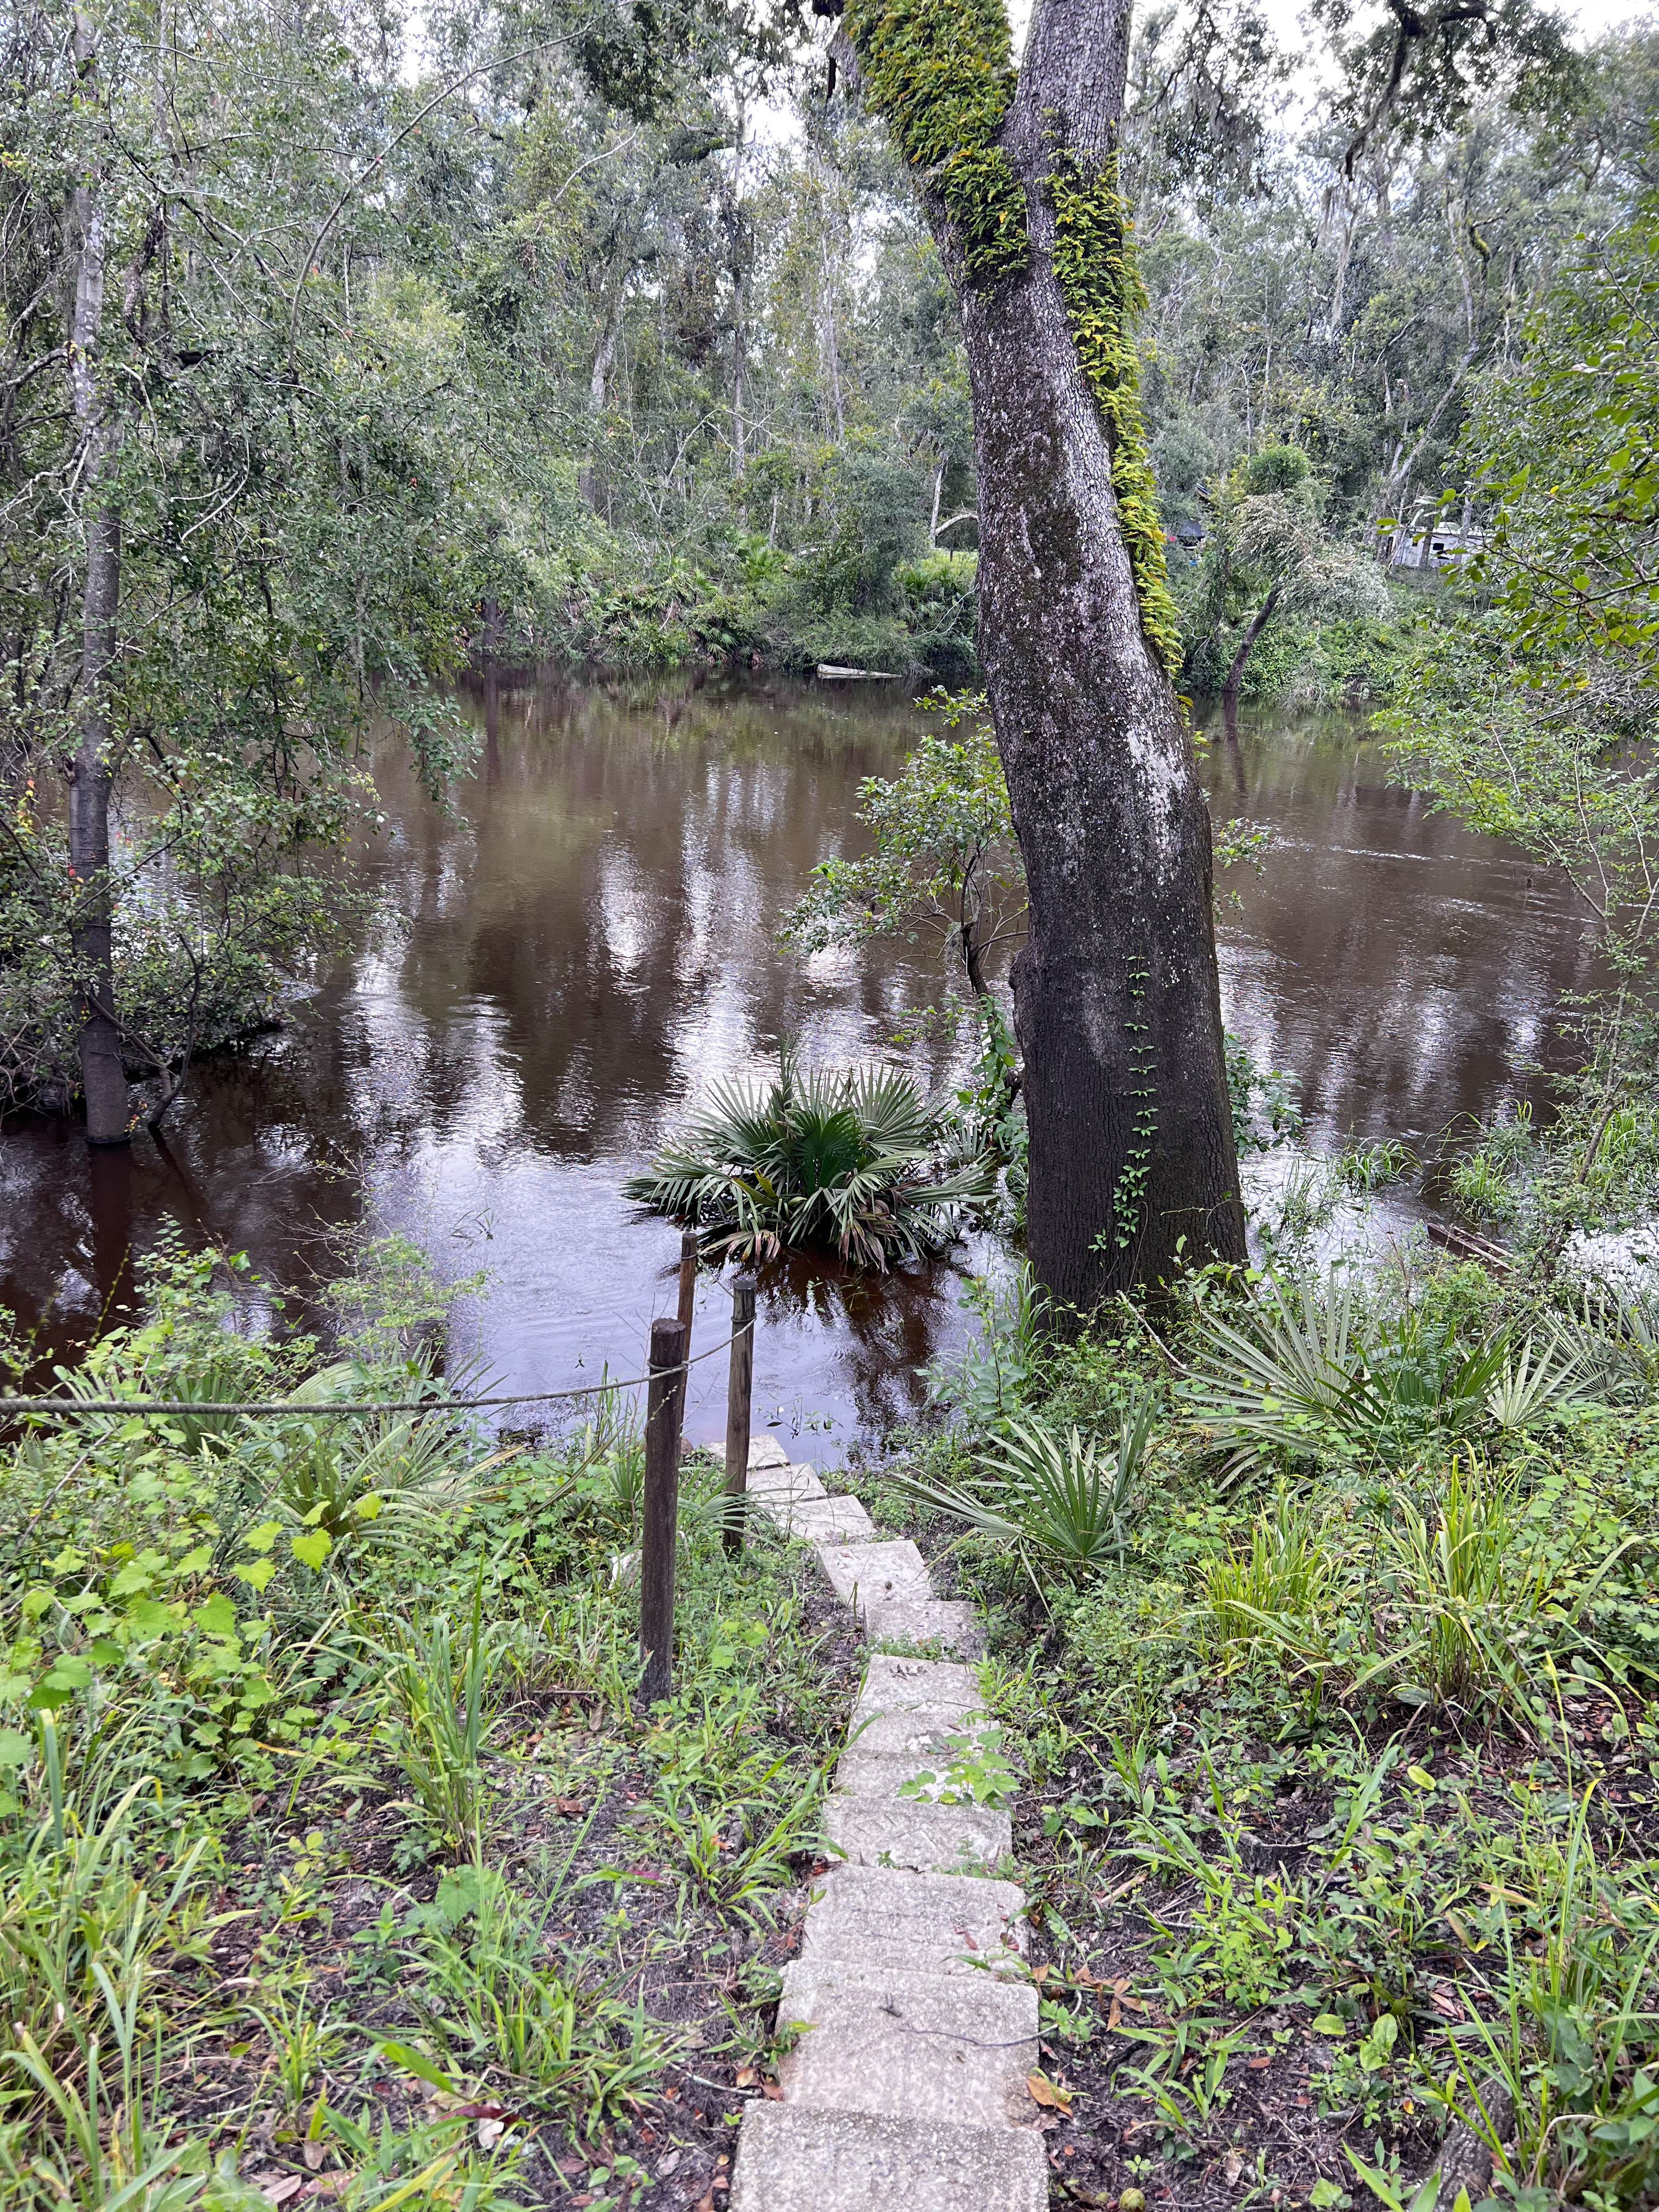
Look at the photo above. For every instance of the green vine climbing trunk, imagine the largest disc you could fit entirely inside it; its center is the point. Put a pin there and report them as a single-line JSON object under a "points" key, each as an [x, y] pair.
{"points": [[1116, 1000]]}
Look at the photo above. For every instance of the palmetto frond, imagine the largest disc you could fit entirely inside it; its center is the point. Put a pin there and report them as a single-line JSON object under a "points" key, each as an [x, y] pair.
{"points": [[848, 1162]]}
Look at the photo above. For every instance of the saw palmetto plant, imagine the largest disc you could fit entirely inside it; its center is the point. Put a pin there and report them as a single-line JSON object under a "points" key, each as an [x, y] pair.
{"points": [[857, 1162]]}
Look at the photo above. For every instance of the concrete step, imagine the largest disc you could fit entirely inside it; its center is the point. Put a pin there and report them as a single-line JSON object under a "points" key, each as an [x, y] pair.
{"points": [[822, 1520], [883, 1775], [913, 2046], [893, 1684], [796, 2158], [917, 1728], [775, 1486], [950, 1621], [934, 1924], [909, 1833], [767, 1451], [866, 1574]]}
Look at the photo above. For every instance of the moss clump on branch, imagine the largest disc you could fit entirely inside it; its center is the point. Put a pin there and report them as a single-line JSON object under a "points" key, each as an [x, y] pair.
{"points": [[1094, 263], [941, 73]]}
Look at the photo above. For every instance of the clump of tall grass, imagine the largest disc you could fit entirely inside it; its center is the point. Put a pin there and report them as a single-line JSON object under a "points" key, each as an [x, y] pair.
{"points": [[1455, 1601]]}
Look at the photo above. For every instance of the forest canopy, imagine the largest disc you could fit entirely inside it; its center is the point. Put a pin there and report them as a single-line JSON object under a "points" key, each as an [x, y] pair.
{"points": [[356, 348]]}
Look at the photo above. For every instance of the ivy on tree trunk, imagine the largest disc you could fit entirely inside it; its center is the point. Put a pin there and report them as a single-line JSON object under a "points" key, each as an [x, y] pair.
{"points": [[1117, 999]]}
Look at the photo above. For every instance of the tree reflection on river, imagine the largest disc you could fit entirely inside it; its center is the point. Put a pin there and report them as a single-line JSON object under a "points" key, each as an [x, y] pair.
{"points": [[588, 942]]}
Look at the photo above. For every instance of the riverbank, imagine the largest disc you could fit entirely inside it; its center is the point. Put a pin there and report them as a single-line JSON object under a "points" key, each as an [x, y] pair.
{"points": [[1327, 1743], [1339, 1800], [615, 610]]}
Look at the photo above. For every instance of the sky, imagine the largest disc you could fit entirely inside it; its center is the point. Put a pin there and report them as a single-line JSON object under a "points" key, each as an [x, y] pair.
{"points": [[1590, 17]]}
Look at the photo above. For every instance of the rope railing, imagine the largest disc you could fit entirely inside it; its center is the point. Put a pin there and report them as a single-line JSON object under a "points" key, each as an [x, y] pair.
{"points": [[305, 1408]]}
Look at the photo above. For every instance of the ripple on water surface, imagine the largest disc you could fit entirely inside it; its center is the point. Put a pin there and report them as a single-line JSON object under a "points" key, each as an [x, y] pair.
{"points": [[590, 942]]}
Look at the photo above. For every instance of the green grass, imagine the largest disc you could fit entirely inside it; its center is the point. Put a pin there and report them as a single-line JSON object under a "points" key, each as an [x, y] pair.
{"points": [[1339, 1790], [330, 1834]]}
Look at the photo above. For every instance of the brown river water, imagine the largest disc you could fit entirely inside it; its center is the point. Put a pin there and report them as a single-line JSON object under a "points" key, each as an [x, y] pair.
{"points": [[588, 942]]}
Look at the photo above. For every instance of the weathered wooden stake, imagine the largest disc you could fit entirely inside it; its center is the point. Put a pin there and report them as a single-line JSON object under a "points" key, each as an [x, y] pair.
{"points": [[738, 1389], [662, 1505], [689, 1250]]}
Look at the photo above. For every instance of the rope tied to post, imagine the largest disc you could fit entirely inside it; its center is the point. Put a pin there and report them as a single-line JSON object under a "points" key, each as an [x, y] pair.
{"points": [[305, 1408]]}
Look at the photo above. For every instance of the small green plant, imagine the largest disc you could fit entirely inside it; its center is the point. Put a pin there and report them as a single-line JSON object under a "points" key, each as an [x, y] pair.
{"points": [[977, 1772], [1288, 1572], [1367, 1167], [1469, 1588], [1484, 1185], [445, 1693], [1061, 1503]]}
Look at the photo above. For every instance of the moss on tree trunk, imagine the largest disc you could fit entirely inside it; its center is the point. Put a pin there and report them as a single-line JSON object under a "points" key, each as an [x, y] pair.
{"points": [[1117, 1000]]}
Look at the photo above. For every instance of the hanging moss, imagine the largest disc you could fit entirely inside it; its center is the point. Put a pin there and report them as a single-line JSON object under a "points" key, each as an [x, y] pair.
{"points": [[941, 72], [1094, 263]]}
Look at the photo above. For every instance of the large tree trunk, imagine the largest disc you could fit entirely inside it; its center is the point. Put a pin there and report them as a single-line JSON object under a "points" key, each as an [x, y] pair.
{"points": [[1117, 1001], [103, 1074]]}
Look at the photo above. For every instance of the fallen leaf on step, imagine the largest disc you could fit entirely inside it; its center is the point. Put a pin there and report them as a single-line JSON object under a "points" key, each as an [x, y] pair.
{"points": [[1052, 2099]]}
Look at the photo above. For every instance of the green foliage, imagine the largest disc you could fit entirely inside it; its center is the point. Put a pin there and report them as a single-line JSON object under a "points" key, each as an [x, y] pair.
{"points": [[1305, 1370], [1265, 1108], [1287, 1572], [945, 855], [1367, 1167], [445, 1693], [854, 1163], [941, 73], [1062, 1505], [1277, 468], [1561, 446], [149, 1837], [976, 1772], [1095, 267]]}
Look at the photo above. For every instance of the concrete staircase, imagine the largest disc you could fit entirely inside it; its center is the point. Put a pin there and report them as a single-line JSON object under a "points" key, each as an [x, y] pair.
{"points": [[907, 2089]]}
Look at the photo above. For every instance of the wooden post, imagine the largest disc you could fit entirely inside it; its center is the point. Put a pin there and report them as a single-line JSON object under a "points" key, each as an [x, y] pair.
{"points": [[690, 1251], [738, 1390], [662, 1503]]}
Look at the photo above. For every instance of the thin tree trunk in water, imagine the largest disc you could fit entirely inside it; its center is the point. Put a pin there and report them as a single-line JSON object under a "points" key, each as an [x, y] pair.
{"points": [[598, 382], [739, 396], [1117, 1000], [103, 1073], [1263, 616]]}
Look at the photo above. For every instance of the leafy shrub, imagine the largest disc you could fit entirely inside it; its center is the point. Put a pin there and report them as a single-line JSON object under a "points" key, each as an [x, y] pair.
{"points": [[1302, 1373]]}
